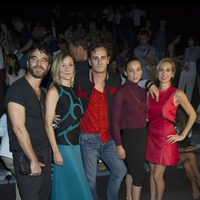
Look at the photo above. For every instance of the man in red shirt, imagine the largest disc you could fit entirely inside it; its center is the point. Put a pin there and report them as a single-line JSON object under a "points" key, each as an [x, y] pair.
{"points": [[97, 91]]}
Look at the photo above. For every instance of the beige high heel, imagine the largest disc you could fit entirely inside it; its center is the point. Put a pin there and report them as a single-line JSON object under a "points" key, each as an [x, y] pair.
{"points": [[196, 194]]}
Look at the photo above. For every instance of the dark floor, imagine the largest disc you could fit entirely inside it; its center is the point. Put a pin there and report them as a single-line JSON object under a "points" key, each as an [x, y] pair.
{"points": [[177, 184], [177, 187]]}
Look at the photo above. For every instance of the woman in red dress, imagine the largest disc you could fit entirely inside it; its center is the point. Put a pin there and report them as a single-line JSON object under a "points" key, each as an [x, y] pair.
{"points": [[162, 146]]}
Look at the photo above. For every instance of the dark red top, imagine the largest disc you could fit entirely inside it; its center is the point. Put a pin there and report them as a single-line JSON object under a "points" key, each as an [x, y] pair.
{"points": [[128, 112], [95, 119]]}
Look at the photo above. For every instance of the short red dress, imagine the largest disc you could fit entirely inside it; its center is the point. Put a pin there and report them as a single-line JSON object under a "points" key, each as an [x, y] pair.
{"points": [[159, 151]]}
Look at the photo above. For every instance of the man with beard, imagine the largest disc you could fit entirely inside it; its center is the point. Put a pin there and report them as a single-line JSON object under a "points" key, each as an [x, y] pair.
{"points": [[25, 103]]}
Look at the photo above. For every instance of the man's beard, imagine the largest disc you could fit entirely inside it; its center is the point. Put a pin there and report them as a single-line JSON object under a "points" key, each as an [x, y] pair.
{"points": [[37, 74]]}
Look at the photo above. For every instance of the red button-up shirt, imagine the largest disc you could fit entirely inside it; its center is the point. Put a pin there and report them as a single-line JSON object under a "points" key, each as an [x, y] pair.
{"points": [[95, 119]]}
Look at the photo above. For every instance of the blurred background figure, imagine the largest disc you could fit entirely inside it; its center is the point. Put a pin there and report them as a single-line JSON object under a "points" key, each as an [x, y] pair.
{"points": [[189, 71], [13, 69], [146, 53], [5, 153]]}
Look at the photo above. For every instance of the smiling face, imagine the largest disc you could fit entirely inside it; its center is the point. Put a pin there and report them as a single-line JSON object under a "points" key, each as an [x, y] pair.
{"points": [[133, 71], [63, 69], [67, 69], [165, 72], [38, 64]]}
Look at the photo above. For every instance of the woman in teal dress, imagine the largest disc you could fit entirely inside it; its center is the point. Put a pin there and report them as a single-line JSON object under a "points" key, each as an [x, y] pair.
{"points": [[69, 180]]}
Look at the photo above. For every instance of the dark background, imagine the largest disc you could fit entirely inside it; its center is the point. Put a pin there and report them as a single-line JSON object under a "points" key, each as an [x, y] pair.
{"points": [[182, 18]]}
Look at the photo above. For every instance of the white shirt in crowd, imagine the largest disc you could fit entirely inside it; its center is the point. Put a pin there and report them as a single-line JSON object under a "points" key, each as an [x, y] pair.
{"points": [[11, 78], [4, 147]]}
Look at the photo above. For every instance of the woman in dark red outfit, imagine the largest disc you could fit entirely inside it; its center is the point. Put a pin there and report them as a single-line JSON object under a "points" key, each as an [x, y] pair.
{"points": [[162, 146], [129, 116]]}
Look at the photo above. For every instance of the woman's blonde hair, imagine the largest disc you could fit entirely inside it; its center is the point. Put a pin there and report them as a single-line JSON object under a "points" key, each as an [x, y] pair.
{"points": [[57, 64], [169, 60]]}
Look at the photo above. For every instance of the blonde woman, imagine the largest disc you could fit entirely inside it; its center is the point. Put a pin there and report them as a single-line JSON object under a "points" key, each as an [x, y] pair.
{"points": [[162, 146], [69, 181]]}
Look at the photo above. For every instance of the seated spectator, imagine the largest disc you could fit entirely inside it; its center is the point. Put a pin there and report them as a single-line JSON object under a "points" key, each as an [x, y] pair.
{"points": [[25, 39], [146, 53], [5, 153], [13, 71], [113, 67], [2, 80], [190, 163], [187, 155], [62, 45], [79, 30], [38, 31], [51, 41], [78, 48]]}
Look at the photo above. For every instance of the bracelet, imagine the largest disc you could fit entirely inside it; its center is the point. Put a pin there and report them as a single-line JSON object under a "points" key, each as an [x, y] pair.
{"points": [[148, 84]]}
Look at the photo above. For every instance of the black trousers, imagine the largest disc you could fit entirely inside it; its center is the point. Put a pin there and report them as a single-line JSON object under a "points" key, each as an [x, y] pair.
{"points": [[134, 142], [34, 187]]}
